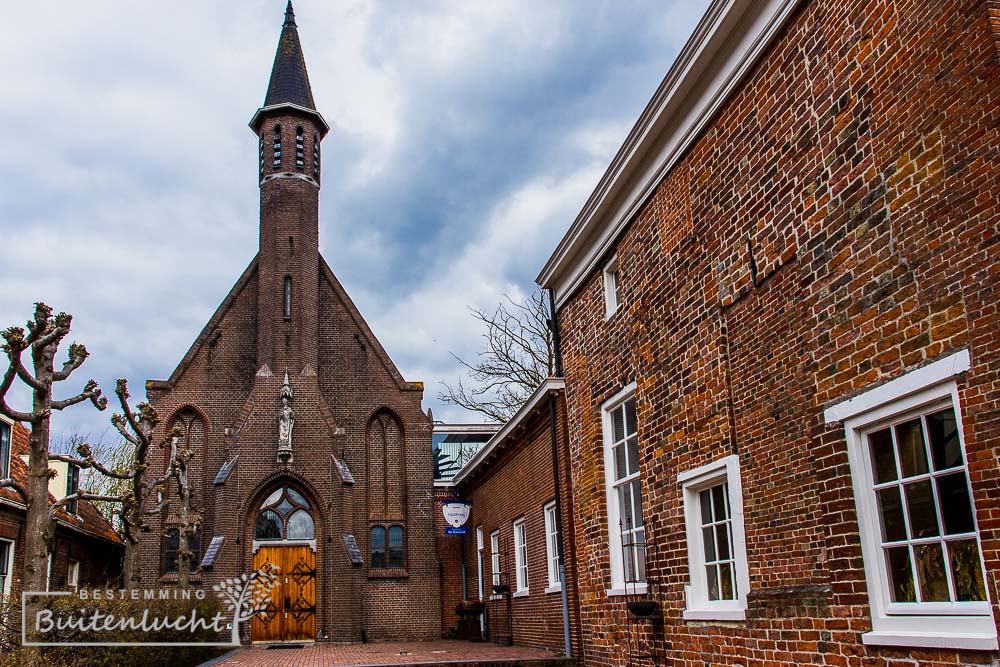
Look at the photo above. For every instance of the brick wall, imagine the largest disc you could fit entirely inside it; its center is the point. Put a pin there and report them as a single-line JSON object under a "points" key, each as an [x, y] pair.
{"points": [[833, 227], [518, 483]]}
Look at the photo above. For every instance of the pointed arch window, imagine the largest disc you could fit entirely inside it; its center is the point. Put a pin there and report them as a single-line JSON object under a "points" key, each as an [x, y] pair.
{"points": [[261, 150], [284, 515], [300, 148], [277, 146]]}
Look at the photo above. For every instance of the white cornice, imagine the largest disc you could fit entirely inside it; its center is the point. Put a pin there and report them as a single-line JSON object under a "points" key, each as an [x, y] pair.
{"points": [[544, 389], [724, 46], [288, 105], [466, 428]]}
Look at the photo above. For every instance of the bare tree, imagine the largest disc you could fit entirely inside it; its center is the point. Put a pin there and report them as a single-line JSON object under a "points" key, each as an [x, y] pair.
{"points": [[137, 431], [44, 335], [516, 358], [187, 525]]}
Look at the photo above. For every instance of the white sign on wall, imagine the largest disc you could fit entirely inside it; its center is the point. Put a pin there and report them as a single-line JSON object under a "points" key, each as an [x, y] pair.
{"points": [[456, 513]]}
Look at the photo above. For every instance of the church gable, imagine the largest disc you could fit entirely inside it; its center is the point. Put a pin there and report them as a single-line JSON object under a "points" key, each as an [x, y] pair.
{"points": [[227, 342]]}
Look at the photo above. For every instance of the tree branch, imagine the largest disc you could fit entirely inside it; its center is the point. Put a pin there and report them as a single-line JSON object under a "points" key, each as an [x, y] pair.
{"points": [[10, 483], [90, 392]]}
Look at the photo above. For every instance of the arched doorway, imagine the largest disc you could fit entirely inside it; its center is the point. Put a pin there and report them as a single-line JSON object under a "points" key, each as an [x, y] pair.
{"points": [[285, 537]]}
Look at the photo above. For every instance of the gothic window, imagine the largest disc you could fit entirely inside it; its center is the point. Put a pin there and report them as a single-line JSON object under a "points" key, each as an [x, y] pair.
{"points": [[386, 481], [387, 549], [378, 547], [316, 155], [277, 146], [286, 298], [171, 544], [396, 546], [300, 148], [192, 436], [284, 515]]}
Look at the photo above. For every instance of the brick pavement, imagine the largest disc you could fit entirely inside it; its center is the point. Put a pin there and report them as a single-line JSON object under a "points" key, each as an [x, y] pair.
{"points": [[393, 653]]}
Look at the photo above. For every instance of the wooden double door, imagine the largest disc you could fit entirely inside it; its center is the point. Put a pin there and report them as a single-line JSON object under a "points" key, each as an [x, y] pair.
{"points": [[291, 614]]}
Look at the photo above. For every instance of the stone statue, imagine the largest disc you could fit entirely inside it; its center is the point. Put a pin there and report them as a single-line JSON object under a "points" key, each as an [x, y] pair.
{"points": [[286, 421]]}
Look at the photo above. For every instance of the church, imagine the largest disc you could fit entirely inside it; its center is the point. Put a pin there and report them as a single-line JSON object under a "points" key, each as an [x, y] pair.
{"points": [[311, 451]]}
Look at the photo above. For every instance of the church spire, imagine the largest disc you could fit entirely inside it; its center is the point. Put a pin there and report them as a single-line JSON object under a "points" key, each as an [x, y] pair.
{"points": [[289, 81]]}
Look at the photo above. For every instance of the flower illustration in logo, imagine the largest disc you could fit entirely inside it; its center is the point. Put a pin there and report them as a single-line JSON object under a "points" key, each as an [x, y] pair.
{"points": [[247, 595]]}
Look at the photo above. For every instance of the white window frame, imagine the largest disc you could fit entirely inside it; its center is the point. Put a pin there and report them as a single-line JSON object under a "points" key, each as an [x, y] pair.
{"points": [[614, 536], [520, 557], [956, 625], [48, 571], [699, 607], [73, 575], [9, 577], [480, 563], [611, 279], [552, 547], [494, 562]]}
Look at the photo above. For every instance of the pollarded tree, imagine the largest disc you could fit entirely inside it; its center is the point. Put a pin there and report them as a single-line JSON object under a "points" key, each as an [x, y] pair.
{"points": [[45, 333]]}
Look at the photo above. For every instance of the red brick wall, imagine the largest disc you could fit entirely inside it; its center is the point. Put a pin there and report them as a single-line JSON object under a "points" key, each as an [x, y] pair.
{"points": [[857, 162], [341, 378], [519, 483]]}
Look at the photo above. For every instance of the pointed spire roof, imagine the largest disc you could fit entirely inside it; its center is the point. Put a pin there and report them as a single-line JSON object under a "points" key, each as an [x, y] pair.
{"points": [[289, 85], [289, 81]]}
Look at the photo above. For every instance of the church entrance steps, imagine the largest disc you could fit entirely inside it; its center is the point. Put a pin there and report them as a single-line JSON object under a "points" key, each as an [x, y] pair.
{"points": [[446, 653]]}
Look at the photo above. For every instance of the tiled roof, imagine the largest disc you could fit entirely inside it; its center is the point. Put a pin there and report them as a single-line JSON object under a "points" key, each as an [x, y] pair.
{"points": [[289, 81], [87, 519]]}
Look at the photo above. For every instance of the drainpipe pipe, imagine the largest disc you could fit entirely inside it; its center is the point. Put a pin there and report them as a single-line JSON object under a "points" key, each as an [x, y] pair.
{"points": [[557, 363]]}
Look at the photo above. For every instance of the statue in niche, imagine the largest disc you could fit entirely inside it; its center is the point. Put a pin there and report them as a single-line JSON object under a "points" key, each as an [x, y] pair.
{"points": [[286, 421]]}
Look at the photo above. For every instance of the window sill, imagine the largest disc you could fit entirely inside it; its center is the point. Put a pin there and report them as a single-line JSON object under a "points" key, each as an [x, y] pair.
{"points": [[972, 641], [557, 588], [715, 615], [639, 589], [388, 573], [520, 594]]}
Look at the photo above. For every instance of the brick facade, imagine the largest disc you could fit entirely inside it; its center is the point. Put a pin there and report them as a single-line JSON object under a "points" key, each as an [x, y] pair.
{"points": [[514, 479], [350, 403], [832, 227]]}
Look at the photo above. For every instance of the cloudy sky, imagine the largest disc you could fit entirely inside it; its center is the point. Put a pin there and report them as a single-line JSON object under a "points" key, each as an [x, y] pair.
{"points": [[466, 137]]}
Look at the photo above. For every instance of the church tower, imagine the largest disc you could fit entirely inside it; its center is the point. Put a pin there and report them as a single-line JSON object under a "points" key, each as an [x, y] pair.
{"points": [[289, 132], [311, 452]]}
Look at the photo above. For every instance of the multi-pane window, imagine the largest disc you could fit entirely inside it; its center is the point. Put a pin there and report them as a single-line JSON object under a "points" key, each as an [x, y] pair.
{"points": [[6, 555], [612, 288], [277, 146], [172, 544], [495, 570], [387, 550], [300, 149], [378, 547], [480, 563], [626, 530], [396, 546], [716, 544], [72, 486], [552, 545], [520, 556], [916, 514], [4, 450], [927, 524]]}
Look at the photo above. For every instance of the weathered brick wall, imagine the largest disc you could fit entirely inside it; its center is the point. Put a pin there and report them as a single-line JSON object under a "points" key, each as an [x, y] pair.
{"points": [[833, 227], [519, 483]]}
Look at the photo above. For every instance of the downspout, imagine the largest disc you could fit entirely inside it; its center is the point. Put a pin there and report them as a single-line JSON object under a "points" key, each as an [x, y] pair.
{"points": [[557, 363]]}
